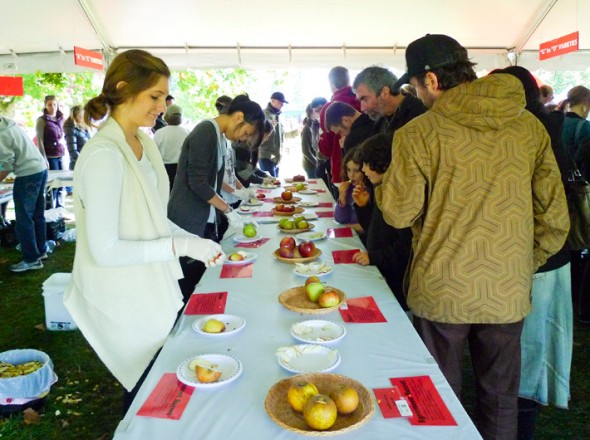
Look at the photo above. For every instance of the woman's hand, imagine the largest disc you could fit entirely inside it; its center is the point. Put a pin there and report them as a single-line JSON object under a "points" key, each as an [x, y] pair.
{"points": [[360, 195], [361, 258], [342, 189]]}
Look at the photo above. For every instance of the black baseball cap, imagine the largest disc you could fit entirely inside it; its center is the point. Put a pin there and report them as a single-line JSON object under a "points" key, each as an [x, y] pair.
{"points": [[430, 52], [279, 97]]}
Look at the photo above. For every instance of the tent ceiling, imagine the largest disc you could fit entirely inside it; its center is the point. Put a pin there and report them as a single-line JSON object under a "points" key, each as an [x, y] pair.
{"points": [[40, 35]]}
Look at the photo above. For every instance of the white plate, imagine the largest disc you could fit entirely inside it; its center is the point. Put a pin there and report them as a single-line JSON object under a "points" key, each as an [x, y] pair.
{"points": [[249, 203], [270, 186], [244, 239], [233, 324], [308, 204], [245, 210], [310, 269], [230, 368], [248, 258], [311, 236], [310, 216], [307, 191], [308, 358], [317, 331]]}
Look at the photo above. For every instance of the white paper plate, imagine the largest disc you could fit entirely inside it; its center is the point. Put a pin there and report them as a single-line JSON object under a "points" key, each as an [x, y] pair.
{"points": [[311, 236], [308, 204], [308, 358], [270, 186], [230, 368], [310, 269], [248, 258], [307, 191], [244, 210], [317, 331], [310, 216], [244, 239], [233, 324], [249, 203]]}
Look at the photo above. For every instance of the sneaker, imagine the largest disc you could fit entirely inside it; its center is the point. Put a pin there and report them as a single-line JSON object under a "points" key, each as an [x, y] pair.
{"points": [[23, 266], [43, 256]]}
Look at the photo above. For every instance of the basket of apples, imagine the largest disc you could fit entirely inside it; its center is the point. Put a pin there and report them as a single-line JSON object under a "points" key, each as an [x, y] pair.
{"points": [[319, 404], [286, 198], [312, 298], [295, 225], [286, 210], [290, 252]]}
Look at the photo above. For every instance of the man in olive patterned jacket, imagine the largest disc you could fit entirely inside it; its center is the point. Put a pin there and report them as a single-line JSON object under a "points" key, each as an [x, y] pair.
{"points": [[476, 179]]}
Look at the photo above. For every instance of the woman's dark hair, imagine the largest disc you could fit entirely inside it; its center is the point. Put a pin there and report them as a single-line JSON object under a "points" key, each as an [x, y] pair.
{"points": [[578, 95], [349, 156], [137, 69], [451, 75], [531, 88], [253, 115], [308, 111], [222, 103], [58, 114], [375, 152], [74, 112]]}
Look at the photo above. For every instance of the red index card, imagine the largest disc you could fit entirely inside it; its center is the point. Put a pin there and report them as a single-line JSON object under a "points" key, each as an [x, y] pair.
{"points": [[344, 257], [391, 403], [254, 244], [361, 310], [168, 400], [262, 214], [425, 401], [244, 271], [206, 303], [325, 214], [339, 232], [325, 205]]}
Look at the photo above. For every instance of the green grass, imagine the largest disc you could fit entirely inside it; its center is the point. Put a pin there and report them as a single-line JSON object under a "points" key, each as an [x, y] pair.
{"points": [[83, 376]]}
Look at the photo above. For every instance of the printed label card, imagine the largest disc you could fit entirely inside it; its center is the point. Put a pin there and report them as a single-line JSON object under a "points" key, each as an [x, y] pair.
{"points": [[344, 256], [325, 214], [232, 271], [391, 403], [253, 245], [339, 232], [206, 303], [361, 310], [168, 400]]}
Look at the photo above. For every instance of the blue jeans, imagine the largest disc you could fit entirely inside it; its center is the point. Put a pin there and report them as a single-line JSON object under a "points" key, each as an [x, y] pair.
{"points": [[55, 163], [269, 166], [29, 206]]}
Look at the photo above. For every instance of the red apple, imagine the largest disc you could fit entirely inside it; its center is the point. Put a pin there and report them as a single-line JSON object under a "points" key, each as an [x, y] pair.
{"points": [[306, 249], [312, 279], [329, 299], [260, 195], [288, 208], [288, 242], [285, 252], [279, 208], [286, 195]]}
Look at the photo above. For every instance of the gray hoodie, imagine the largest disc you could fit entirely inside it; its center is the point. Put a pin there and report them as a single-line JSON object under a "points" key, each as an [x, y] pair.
{"points": [[18, 153]]}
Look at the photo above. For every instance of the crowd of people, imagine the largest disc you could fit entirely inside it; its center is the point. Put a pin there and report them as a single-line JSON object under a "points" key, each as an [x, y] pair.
{"points": [[454, 183]]}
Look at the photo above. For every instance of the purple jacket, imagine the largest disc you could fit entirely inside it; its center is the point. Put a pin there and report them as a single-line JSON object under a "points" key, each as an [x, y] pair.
{"points": [[53, 136]]}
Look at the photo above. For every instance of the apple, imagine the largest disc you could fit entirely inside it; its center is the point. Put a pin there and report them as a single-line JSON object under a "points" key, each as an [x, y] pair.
{"points": [[235, 257], [286, 195], [329, 299], [299, 178], [279, 208], [302, 224], [286, 252], [288, 208], [207, 375], [299, 186], [312, 279], [282, 222], [306, 249], [299, 392], [253, 200], [345, 397], [260, 195], [213, 326], [314, 291], [320, 412], [288, 242], [249, 230], [289, 224]]}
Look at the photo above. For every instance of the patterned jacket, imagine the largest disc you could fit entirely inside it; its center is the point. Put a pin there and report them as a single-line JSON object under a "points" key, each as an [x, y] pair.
{"points": [[476, 179]]}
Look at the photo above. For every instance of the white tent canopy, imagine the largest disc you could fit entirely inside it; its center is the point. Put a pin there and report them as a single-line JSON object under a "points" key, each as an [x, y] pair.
{"points": [[40, 35]]}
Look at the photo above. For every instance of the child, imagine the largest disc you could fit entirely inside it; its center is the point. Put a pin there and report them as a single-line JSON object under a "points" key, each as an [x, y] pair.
{"points": [[344, 212]]}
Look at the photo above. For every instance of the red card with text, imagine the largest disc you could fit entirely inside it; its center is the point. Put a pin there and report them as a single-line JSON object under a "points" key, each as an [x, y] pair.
{"points": [[263, 190], [339, 232], [268, 199], [391, 403], [168, 400], [325, 205], [425, 401], [361, 310], [254, 244], [262, 214], [232, 271], [206, 303], [344, 257], [325, 214], [321, 190]]}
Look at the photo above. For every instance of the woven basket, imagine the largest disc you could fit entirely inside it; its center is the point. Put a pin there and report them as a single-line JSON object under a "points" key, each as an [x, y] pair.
{"points": [[298, 258], [296, 231], [297, 210], [296, 300], [279, 200], [280, 411]]}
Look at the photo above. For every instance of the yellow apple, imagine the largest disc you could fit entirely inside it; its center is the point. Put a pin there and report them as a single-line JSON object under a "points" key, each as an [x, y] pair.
{"points": [[346, 398], [207, 375], [213, 326], [299, 392], [314, 291], [320, 412]]}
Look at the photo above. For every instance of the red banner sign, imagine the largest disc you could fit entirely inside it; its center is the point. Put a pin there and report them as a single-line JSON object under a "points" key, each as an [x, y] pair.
{"points": [[11, 86], [559, 46], [88, 58]]}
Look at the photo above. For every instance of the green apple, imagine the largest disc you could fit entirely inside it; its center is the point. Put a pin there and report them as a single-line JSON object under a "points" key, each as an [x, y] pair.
{"points": [[289, 224], [299, 186], [314, 290], [302, 224], [249, 230], [282, 222]]}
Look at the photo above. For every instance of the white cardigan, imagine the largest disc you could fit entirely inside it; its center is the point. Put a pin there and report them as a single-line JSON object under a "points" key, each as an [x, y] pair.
{"points": [[124, 293]]}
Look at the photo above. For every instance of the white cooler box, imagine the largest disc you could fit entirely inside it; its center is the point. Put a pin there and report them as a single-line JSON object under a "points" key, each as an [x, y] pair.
{"points": [[57, 316]]}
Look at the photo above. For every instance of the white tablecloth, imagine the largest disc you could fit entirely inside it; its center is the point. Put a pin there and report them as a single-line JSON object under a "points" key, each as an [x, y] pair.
{"points": [[371, 353], [55, 179]]}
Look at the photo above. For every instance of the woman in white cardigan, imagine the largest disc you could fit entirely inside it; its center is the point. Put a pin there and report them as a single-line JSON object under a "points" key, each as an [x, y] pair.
{"points": [[124, 293]]}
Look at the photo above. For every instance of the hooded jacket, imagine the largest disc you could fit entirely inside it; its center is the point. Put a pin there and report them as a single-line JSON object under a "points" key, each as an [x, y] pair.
{"points": [[271, 148], [18, 153], [476, 179]]}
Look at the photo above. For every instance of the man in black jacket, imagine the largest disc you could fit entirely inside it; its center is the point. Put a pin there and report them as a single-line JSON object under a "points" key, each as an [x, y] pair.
{"points": [[351, 125]]}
